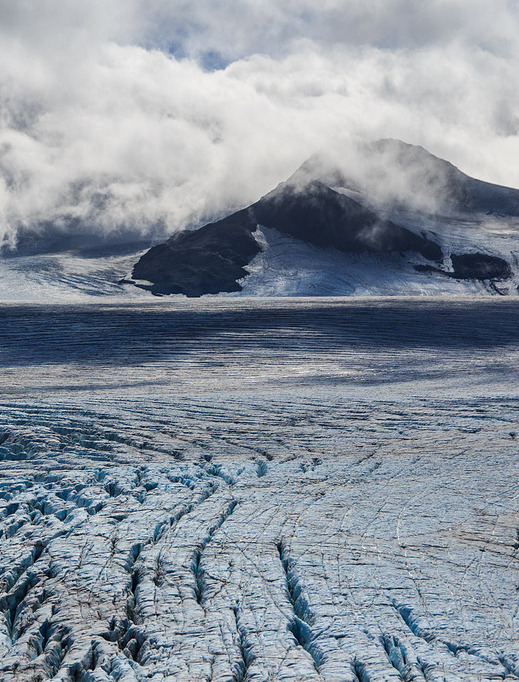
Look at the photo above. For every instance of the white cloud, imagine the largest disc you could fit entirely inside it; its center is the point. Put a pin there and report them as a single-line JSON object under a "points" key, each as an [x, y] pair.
{"points": [[238, 29], [101, 127]]}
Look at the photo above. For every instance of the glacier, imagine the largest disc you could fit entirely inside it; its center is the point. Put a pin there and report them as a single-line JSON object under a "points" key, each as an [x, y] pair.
{"points": [[244, 489]]}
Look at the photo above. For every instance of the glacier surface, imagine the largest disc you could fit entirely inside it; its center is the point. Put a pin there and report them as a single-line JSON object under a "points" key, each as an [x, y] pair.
{"points": [[250, 489]]}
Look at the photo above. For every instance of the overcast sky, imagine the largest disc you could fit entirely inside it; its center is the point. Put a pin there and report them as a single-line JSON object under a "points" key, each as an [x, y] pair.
{"points": [[155, 114]]}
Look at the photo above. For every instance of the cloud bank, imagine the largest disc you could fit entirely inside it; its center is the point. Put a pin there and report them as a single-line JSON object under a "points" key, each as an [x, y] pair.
{"points": [[125, 118]]}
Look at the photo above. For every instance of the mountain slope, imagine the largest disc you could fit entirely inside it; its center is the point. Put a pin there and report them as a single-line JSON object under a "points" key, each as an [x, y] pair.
{"points": [[392, 172], [204, 261], [318, 215]]}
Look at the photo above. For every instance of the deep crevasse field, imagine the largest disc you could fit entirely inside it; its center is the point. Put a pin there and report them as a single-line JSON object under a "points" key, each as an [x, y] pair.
{"points": [[245, 490]]}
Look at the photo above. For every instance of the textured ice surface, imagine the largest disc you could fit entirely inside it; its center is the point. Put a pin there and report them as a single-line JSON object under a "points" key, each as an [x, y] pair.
{"points": [[260, 490], [289, 267], [66, 277]]}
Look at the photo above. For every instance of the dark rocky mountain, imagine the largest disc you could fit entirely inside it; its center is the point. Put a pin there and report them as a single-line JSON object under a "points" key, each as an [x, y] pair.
{"points": [[204, 261], [311, 207], [211, 259], [316, 214]]}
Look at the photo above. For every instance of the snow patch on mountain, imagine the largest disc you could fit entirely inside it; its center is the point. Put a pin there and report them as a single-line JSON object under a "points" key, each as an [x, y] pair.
{"points": [[290, 267]]}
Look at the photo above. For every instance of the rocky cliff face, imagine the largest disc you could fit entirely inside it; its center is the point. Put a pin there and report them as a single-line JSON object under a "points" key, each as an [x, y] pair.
{"points": [[205, 261]]}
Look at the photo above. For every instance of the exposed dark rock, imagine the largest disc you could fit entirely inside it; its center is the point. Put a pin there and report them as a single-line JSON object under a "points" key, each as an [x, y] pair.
{"points": [[477, 266], [425, 174], [407, 176], [204, 261], [480, 266], [430, 177]]}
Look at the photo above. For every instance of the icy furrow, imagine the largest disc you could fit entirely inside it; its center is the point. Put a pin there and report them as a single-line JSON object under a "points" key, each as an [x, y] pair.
{"points": [[350, 567]]}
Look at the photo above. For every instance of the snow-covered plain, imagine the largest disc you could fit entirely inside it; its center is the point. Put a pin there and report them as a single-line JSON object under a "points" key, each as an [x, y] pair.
{"points": [[254, 489]]}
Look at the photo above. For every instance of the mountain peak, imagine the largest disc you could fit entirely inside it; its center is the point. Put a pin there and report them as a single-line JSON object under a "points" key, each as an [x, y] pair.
{"points": [[401, 210]]}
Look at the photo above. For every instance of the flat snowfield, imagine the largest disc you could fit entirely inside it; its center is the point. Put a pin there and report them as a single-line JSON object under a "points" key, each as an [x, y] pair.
{"points": [[251, 490]]}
